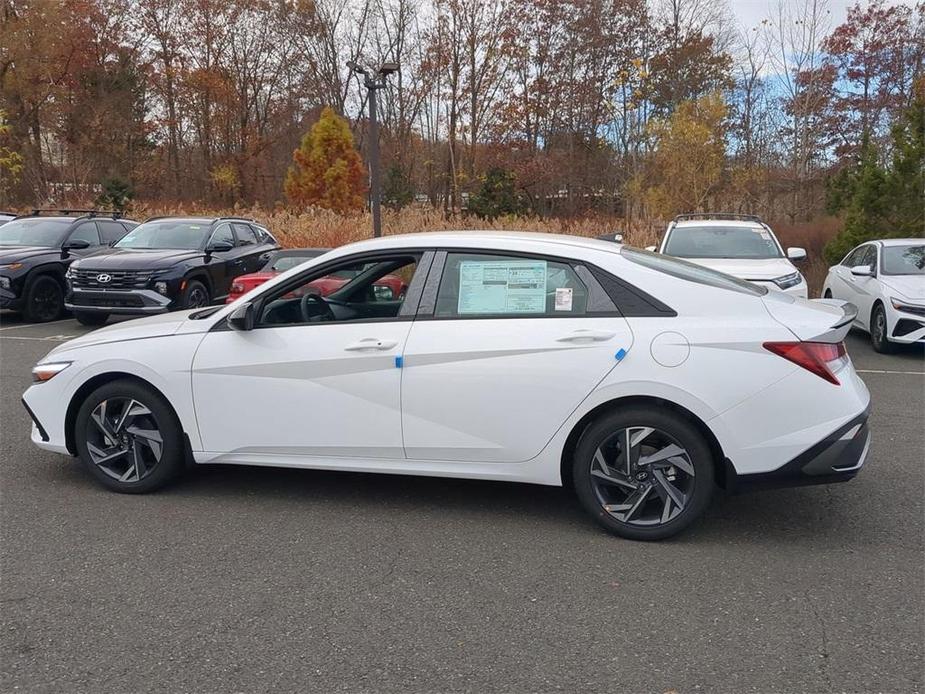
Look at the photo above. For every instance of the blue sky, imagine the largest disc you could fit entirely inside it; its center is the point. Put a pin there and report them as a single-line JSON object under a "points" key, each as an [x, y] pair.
{"points": [[749, 13]]}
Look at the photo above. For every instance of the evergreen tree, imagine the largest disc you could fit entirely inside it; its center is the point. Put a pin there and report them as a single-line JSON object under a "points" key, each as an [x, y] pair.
{"points": [[496, 196], [327, 171], [396, 188]]}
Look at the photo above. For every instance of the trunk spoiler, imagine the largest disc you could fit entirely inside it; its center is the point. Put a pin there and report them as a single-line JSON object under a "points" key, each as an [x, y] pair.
{"points": [[839, 330]]}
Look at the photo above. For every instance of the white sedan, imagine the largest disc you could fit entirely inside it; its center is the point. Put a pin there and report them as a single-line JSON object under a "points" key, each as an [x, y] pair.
{"points": [[641, 381], [886, 281]]}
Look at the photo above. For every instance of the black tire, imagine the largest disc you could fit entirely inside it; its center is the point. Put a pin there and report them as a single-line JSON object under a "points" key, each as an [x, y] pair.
{"points": [[667, 427], [44, 300], [156, 416], [91, 319], [196, 295], [879, 338]]}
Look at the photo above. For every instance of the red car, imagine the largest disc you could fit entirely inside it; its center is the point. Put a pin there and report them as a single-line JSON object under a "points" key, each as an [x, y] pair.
{"points": [[388, 287]]}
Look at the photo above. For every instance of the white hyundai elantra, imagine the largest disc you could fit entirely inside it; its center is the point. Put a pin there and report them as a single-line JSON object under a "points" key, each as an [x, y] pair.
{"points": [[641, 381]]}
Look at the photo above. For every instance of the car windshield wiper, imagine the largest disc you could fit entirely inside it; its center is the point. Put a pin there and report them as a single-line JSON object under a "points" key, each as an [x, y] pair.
{"points": [[205, 313]]}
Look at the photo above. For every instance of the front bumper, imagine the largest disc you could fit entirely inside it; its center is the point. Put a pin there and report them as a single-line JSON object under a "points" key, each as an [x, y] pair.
{"points": [[119, 301], [10, 300], [836, 458]]}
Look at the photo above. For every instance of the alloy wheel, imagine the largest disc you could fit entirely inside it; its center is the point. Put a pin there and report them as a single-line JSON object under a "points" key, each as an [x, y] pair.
{"points": [[46, 301], [642, 476], [197, 298], [123, 439]]}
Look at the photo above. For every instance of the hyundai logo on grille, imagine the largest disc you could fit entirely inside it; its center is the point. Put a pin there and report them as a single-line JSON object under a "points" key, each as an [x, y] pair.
{"points": [[104, 278]]}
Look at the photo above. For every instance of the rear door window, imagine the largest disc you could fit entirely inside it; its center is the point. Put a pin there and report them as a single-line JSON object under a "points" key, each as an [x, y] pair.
{"points": [[86, 232]]}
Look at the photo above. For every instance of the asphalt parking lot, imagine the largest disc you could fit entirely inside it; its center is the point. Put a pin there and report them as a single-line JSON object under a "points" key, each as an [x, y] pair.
{"points": [[244, 579]]}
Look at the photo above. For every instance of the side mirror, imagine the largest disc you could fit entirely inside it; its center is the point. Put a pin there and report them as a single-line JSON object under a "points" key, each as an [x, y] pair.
{"points": [[862, 271], [218, 247], [796, 254], [74, 245], [244, 317], [651, 248]]}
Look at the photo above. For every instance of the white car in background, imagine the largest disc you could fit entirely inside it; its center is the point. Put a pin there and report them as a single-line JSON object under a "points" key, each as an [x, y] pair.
{"points": [[886, 281], [739, 245], [533, 358]]}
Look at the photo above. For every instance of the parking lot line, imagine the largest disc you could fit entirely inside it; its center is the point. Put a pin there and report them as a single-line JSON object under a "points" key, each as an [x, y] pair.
{"points": [[48, 338], [32, 325]]}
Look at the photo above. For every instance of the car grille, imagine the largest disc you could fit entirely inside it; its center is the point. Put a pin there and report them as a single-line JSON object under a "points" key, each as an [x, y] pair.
{"points": [[121, 279], [128, 301]]}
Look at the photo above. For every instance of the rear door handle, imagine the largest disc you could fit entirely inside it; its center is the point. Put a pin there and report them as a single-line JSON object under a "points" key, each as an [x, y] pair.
{"points": [[587, 336], [370, 343]]}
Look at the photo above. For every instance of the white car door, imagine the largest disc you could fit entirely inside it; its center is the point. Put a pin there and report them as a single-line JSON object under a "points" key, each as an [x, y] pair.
{"points": [[317, 375], [511, 346]]}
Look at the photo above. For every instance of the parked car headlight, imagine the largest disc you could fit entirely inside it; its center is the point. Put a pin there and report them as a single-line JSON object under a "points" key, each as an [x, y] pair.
{"points": [[46, 372], [908, 308], [69, 274], [160, 287], [4, 282], [788, 281]]}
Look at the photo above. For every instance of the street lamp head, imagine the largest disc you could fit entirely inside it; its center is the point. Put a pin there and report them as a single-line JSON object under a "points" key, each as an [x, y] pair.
{"points": [[388, 68], [356, 67]]}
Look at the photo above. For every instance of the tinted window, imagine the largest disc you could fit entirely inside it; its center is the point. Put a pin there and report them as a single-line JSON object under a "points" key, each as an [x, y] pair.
{"points": [[222, 234], [903, 260], [246, 235], [34, 231], [476, 285], [747, 242], [285, 262], [110, 231], [86, 232], [166, 233], [690, 271]]}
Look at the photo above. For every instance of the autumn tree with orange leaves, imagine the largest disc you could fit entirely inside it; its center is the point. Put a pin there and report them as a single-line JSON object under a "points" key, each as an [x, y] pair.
{"points": [[326, 170]]}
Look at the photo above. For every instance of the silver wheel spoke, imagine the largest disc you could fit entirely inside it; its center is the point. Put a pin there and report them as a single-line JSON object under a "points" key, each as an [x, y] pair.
{"points": [[599, 459], [100, 456], [150, 438], [631, 505], [669, 451], [672, 491], [129, 449], [607, 479]]}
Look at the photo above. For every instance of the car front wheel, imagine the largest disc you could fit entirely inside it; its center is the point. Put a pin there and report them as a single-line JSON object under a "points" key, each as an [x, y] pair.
{"points": [[44, 300], [129, 438], [196, 295], [643, 473], [879, 332]]}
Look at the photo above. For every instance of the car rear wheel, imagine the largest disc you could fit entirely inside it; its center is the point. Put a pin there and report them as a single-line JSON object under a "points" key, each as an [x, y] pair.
{"points": [[879, 332], [195, 295], [129, 438], [642, 473], [91, 319], [44, 300]]}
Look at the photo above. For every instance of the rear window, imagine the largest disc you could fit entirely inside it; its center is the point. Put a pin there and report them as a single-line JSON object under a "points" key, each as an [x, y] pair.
{"points": [[691, 272]]}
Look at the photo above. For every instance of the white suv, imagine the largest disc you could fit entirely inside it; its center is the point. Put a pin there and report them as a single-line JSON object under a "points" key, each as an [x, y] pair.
{"points": [[739, 245]]}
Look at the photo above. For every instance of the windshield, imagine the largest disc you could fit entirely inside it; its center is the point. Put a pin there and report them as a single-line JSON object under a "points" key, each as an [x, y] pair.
{"points": [[897, 260], [288, 262], [691, 272], [166, 233], [33, 231], [744, 242]]}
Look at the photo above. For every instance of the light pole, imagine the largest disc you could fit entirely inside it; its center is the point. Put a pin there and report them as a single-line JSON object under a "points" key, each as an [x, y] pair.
{"points": [[374, 81]]}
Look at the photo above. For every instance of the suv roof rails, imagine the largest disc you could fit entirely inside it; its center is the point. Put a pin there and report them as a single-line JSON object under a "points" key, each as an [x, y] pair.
{"points": [[213, 219], [719, 215], [68, 211]]}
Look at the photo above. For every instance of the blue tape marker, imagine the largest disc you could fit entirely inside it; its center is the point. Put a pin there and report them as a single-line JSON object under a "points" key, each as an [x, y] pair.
{"points": [[398, 362], [620, 354]]}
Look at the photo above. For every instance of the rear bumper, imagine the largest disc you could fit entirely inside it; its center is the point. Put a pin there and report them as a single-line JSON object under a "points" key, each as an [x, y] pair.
{"points": [[836, 458], [120, 301]]}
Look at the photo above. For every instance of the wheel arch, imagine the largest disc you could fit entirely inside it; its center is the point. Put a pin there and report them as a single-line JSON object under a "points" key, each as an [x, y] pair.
{"points": [[90, 385], [200, 275], [721, 465], [51, 269]]}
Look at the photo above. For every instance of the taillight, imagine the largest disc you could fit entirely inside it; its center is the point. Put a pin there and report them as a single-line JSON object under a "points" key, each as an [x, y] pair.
{"points": [[822, 358]]}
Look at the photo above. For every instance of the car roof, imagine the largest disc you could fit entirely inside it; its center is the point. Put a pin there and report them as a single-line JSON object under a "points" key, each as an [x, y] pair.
{"points": [[450, 239], [900, 242], [719, 223]]}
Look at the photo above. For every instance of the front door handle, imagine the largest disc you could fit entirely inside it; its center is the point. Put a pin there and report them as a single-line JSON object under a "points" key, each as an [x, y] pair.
{"points": [[370, 343], [587, 336]]}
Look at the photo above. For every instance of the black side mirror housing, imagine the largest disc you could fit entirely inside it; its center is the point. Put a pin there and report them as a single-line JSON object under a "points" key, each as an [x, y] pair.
{"points": [[74, 245], [243, 318], [218, 247]]}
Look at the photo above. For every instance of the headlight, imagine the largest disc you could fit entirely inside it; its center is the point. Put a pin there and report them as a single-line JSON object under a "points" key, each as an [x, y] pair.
{"points": [[4, 282], [908, 308], [70, 272], [11, 266], [788, 281], [46, 372], [160, 287]]}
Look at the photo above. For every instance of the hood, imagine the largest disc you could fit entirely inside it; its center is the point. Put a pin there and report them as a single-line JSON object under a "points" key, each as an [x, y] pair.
{"points": [[16, 254], [748, 269], [811, 320], [135, 259], [910, 286], [137, 329]]}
